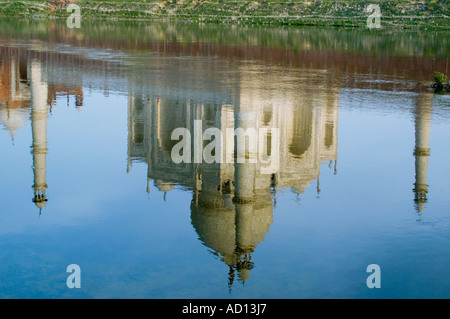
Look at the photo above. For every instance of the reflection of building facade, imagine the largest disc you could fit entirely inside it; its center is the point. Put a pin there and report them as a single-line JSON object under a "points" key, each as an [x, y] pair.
{"points": [[232, 206], [14, 94]]}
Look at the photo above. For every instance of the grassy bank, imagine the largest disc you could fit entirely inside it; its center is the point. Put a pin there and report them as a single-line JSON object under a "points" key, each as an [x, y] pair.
{"points": [[429, 14]]}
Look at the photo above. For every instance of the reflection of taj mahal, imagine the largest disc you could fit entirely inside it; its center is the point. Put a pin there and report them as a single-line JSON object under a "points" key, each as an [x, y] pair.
{"points": [[232, 205]]}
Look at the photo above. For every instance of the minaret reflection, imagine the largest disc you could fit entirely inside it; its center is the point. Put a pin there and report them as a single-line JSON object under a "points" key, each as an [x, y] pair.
{"points": [[232, 203], [39, 94], [422, 114], [24, 90]]}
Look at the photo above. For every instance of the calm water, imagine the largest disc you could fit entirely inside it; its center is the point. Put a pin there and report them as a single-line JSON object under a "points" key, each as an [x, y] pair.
{"points": [[361, 162]]}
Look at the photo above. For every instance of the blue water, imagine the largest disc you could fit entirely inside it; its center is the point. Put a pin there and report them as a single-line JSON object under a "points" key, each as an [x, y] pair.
{"points": [[313, 241]]}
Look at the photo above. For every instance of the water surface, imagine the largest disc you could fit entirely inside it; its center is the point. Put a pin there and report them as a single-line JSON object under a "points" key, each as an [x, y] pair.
{"points": [[87, 175]]}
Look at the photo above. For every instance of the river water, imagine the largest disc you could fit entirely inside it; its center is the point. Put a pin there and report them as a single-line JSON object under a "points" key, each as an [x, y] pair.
{"points": [[350, 168]]}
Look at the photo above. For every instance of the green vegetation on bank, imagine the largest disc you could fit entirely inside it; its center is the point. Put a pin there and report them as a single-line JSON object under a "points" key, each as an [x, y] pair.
{"points": [[137, 34], [440, 82], [427, 14]]}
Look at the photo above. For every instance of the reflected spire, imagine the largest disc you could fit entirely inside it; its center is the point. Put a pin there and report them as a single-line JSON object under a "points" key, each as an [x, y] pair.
{"points": [[422, 148], [230, 278], [318, 188]]}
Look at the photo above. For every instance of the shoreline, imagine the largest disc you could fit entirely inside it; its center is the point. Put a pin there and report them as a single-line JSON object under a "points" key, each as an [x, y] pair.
{"points": [[410, 15]]}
